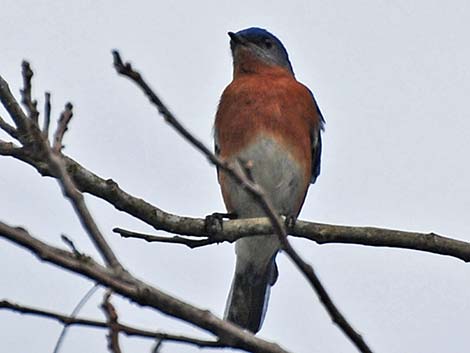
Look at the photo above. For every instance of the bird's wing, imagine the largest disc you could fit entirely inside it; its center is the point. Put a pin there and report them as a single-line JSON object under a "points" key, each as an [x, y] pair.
{"points": [[315, 135]]}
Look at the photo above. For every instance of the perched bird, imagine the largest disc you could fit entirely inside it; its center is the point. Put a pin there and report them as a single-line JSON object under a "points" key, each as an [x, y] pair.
{"points": [[270, 120]]}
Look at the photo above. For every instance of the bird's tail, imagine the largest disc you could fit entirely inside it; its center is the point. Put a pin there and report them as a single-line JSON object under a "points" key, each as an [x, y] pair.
{"points": [[248, 297]]}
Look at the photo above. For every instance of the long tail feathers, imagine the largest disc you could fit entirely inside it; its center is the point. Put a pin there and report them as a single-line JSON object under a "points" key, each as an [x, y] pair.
{"points": [[248, 298]]}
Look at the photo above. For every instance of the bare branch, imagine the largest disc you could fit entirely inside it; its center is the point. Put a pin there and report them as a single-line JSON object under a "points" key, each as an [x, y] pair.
{"points": [[62, 127], [256, 192], [158, 345], [112, 320], [110, 191], [69, 242], [139, 292], [14, 110], [126, 69], [78, 202], [337, 317], [320, 233], [126, 329], [10, 130], [57, 165], [26, 96], [191, 243], [36, 149], [54, 159]]}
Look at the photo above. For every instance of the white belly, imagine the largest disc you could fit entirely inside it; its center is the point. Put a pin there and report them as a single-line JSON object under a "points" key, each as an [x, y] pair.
{"points": [[274, 169]]}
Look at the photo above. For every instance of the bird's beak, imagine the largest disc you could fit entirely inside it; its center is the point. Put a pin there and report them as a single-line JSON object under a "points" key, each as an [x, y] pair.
{"points": [[236, 38]]}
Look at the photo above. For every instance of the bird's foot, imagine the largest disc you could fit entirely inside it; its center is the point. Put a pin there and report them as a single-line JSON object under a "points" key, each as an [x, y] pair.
{"points": [[290, 222], [214, 222]]}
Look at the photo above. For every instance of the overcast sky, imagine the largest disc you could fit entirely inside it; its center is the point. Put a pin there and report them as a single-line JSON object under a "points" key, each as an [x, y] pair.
{"points": [[392, 79]]}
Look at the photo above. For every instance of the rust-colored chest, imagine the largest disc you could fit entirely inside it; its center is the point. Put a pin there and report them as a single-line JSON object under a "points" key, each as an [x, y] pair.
{"points": [[273, 104]]}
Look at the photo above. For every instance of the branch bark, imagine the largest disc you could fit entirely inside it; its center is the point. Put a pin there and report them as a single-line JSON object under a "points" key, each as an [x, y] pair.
{"points": [[108, 190], [113, 325], [139, 292], [52, 157], [126, 329], [320, 233]]}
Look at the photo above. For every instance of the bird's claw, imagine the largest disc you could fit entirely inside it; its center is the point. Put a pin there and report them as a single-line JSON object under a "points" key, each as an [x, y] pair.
{"points": [[290, 221], [214, 222]]}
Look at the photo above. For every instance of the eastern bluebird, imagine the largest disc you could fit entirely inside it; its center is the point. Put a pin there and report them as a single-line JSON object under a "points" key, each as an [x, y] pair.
{"points": [[268, 118]]}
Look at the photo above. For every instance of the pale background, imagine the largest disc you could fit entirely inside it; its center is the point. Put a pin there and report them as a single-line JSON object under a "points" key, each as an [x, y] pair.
{"points": [[392, 79]]}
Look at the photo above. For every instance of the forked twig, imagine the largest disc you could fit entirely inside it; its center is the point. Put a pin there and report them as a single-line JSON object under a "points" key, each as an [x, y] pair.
{"points": [[62, 127]]}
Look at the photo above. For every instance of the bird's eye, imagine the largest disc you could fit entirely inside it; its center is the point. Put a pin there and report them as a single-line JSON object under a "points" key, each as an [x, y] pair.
{"points": [[268, 44]]}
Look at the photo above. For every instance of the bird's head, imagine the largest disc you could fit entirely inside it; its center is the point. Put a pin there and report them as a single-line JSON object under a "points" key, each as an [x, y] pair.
{"points": [[254, 46]]}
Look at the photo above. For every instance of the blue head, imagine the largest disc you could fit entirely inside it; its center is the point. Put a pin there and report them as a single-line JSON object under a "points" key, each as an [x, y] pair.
{"points": [[260, 44]]}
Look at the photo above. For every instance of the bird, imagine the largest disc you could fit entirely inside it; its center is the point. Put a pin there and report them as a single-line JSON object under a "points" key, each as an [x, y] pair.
{"points": [[270, 122]]}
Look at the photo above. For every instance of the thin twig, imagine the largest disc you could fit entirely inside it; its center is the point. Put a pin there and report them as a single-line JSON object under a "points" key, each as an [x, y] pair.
{"points": [[126, 69], [112, 320], [14, 110], [62, 127], [256, 192], [158, 345], [337, 317], [10, 130], [29, 132], [69, 242], [191, 243], [55, 161], [26, 96], [76, 198], [68, 321], [78, 203], [73, 315]]}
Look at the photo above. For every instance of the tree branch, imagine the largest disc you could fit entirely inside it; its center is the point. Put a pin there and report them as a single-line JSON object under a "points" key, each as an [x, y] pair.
{"points": [[113, 325], [52, 157], [191, 243], [109, 190], [26, 95], [10, 130], [139, 292], [321, 233], [14, 110], [62, 127], [126, 329]]}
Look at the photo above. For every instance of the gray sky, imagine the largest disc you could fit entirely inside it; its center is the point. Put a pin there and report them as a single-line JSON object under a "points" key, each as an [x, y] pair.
{"points": [[392, 79]]}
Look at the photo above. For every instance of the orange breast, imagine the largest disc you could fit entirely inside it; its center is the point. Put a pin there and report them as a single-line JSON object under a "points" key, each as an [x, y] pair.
{"points": [[271, 102]]}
